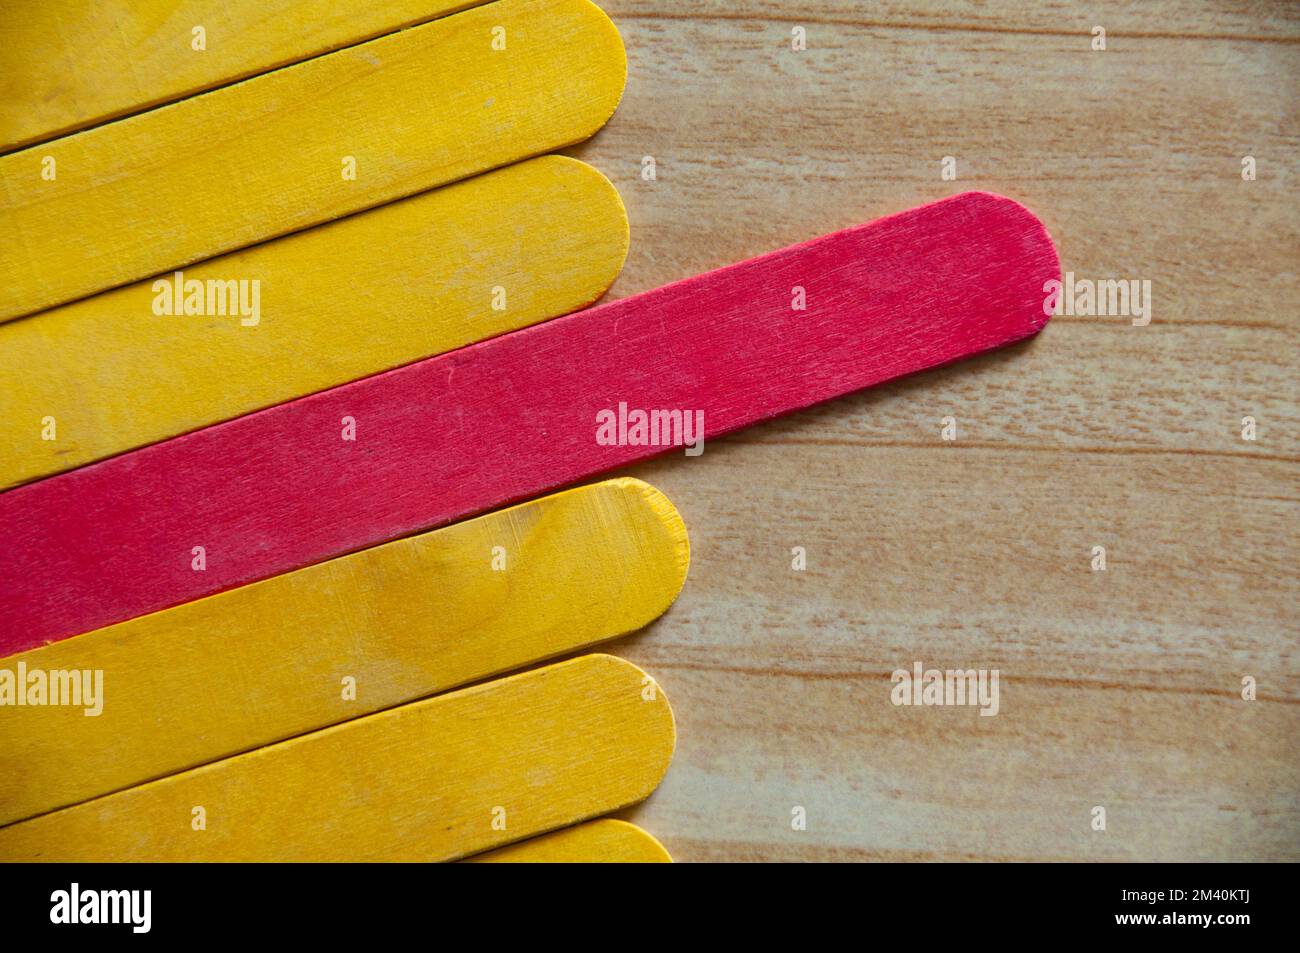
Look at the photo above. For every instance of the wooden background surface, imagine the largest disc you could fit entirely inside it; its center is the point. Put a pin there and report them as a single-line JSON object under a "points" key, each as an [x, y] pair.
{"points": [[1119, 689]]}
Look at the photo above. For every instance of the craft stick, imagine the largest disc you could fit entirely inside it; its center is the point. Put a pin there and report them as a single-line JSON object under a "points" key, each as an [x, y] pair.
{"points": [[341, 301], [516, 416], [434, 780], [73, 63], [341, 639], [606, 841], [306, 144]]}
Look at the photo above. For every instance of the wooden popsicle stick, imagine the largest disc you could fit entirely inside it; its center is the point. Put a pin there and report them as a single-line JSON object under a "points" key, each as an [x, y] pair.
{"points": [[271, 155], [64, 65], [341, 301], [341, 639], [606, 841], [518, 415], [434, 780]]}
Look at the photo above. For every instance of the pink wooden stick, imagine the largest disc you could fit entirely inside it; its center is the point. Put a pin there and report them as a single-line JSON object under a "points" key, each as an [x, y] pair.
{"points": [[515, 416]]}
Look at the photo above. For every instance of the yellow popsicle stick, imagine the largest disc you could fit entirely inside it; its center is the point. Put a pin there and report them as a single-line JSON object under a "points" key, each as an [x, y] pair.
{"points": [[65, 65], [605, 841], [341, 301], [271, 155], [433, 780], [264, 662]]}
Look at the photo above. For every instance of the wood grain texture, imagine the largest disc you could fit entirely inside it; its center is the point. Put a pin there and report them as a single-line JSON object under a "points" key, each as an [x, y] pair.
{"points": [[517, 415], [411, 618], [425, 781], [263, 158], [605, 841], [72, 64], [338, 302], [1119, 688]]}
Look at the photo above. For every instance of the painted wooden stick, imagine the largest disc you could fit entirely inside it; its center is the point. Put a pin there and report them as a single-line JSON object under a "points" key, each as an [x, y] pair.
{"points": [[434, 780], [341, 301], [133, 55], [516, 416], [303, 145], [364, 632], [606, 841]]}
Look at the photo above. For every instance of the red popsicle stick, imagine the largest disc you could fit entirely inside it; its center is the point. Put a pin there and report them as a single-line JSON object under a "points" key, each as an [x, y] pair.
{"points": [[515, 416]]}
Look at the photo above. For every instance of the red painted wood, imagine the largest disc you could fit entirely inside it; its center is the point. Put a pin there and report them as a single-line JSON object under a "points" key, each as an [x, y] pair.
{"points": [[515, 416]]}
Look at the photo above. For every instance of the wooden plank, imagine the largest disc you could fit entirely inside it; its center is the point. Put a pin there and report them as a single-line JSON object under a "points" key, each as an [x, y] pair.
{"points": [[1101, 672], [827, 21], [269, 156], [361, 295], [433, 780], [76, 63], [1120, 688], [606, 841], [873, 118], [518, 415], [364, 632]]}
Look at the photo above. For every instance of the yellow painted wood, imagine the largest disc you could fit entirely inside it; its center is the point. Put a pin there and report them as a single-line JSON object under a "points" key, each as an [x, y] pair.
{"points": [[267, 661], [69, 64], [433, 780], [265, 157], [606, 841], [337, 302]]}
